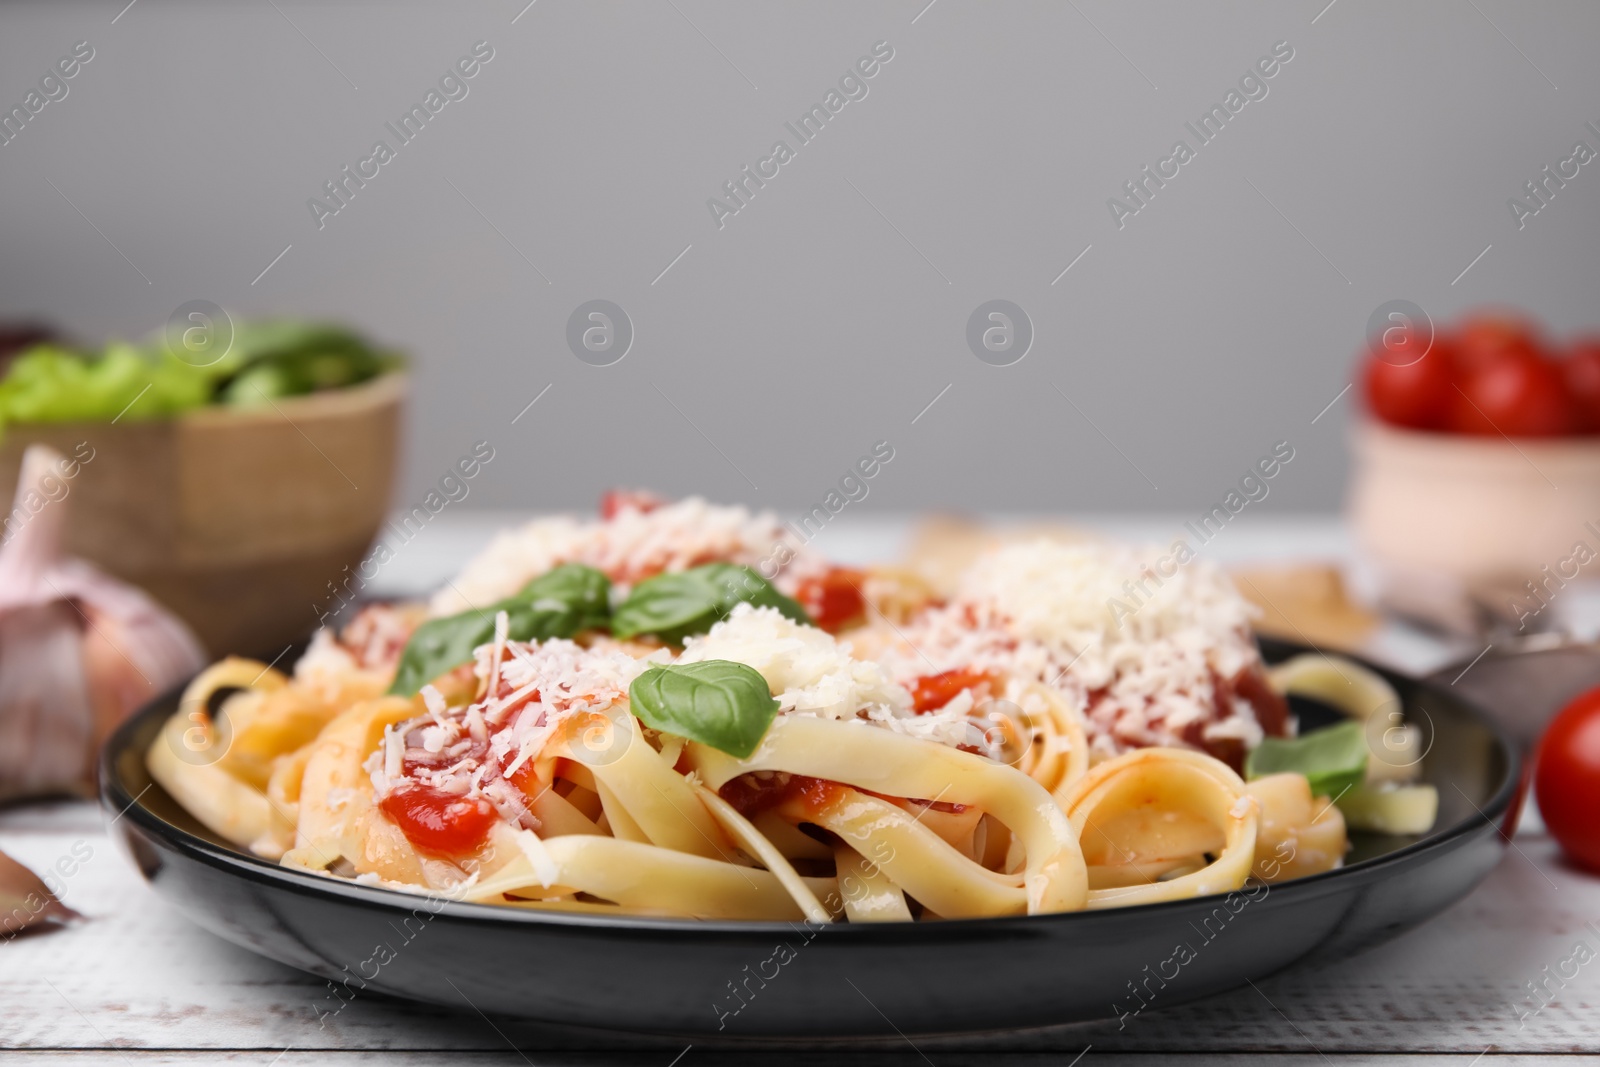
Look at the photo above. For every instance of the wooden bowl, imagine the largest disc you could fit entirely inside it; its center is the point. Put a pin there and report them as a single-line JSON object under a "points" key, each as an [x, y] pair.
{"points": [[1477, 510], [237, 520]]}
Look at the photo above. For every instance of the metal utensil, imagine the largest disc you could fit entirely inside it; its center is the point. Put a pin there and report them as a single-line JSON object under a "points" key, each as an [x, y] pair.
{"points": [[1524, 682]]}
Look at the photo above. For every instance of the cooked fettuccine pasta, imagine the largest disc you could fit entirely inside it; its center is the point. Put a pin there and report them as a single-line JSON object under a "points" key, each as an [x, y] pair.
{"points": [[681, 711]]}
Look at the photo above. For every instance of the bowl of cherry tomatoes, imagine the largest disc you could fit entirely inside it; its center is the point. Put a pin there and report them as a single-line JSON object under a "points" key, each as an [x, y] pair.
{"points": [[1479, 460]]}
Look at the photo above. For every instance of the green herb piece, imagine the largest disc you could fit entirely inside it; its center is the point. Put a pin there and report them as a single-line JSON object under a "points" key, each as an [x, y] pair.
{"points": [[1392, 809], [289, 358], [48, 383], [561, 603], [1333, 760], [584, 591], [716, 702], [678, 605], [259, 386], [265, 361]]}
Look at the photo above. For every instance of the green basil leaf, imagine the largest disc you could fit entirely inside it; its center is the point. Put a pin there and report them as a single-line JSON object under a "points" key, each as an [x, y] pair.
{"points": [[585, 590], [716, 702], [438, 646], [669, 605], [681, 604], [1333, 760], [569, 599]]}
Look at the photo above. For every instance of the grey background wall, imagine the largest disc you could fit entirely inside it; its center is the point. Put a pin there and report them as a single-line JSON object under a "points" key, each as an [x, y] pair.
{"points": [[828, 313]]}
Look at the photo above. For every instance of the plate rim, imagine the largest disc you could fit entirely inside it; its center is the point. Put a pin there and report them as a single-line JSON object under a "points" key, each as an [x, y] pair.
{"points": [[117, 801]]}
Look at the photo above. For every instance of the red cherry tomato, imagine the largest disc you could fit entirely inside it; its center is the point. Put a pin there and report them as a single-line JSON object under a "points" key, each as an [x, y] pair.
{"points": [[1582, 371], [440, 823], [615, 500], [1566, 779], [834, 599], [1518, 394], [1487, 336], [1404, 390]]}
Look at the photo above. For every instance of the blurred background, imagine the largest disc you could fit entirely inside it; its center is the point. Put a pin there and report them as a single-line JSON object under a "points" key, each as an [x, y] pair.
{"points": [[1171, 348]]}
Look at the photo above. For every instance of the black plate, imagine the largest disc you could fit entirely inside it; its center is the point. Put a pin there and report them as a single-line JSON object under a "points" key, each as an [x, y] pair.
{"points": [[764, 978]]}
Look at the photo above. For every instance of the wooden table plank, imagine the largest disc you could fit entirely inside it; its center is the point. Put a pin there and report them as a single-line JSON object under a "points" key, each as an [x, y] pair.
{"points": [[696, 1057], [136, 974]]}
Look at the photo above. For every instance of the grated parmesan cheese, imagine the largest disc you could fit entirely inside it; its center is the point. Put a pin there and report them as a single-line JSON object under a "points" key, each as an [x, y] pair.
{"points": [[544, 868], [393, 753], [811, 672], [368, 647], [1136, 650], [434, 701], [630, 546], [473, 751], [1107, 603]]}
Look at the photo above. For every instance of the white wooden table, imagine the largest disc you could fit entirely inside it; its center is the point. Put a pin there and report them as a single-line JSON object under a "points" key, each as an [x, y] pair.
{"points": [[136, 983]]}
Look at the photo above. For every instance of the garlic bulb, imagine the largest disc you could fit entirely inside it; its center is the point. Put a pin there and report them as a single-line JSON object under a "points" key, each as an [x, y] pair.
{"points": [[79, 650]]}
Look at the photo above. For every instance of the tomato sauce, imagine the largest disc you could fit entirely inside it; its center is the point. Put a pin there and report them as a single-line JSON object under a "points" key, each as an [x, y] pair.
{"points": [[944, 806], [445, 824], [1272, 710], [1249, 685], [933, 691], [615, 500], [440, 823], [750, 795], [834, 600]]}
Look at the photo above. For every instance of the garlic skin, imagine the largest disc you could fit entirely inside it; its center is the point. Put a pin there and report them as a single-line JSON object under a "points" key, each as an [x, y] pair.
{"points": [[27, 903], [79, 650]]}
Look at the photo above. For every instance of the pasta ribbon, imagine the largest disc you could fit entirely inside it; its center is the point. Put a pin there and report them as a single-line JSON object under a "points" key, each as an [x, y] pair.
{"points": [[632, 777], [870, 896], [1300, 834], [339, 817], [1120, 808], [638, 876], [1057, 751], [220, 772], [872, 759]]}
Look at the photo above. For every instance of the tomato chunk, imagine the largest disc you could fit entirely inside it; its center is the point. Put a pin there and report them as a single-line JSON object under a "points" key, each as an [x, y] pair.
{"points": [[933, 691], [833, 600], [440, 823], [816, 795], [751, 794], [615, 500]]}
